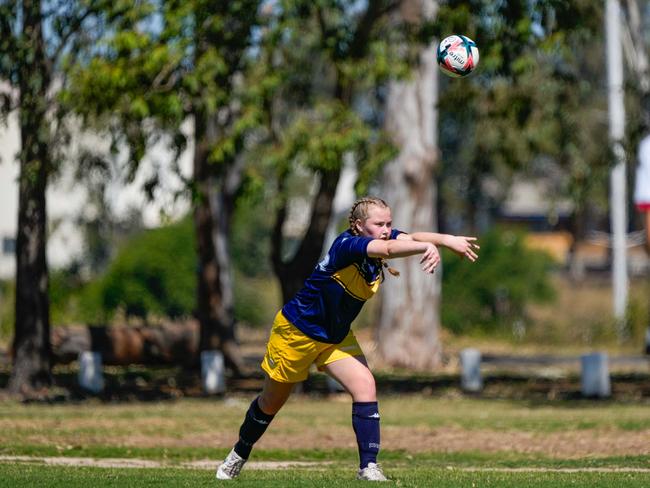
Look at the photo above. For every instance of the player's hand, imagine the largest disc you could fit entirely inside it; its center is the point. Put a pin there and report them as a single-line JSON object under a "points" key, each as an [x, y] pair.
{"points": [[465, 247], [430, 259]]}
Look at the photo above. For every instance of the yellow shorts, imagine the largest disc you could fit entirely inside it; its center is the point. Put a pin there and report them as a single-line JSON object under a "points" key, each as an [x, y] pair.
{"points": [[290, 352]]}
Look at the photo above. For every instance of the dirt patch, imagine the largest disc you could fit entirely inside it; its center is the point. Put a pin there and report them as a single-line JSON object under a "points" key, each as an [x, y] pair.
{"points": [[562, 445], [146, 463], [565, 445]]}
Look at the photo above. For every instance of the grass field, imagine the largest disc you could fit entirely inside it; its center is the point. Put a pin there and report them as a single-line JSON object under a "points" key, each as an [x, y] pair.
{"points": [[418, 476], [426, 441]]}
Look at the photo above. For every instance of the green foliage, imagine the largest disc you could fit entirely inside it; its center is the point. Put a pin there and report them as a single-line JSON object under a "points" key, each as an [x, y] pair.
{"points": [[319, 138], [322, 66], [162, 64], [64, 284], [638, 312], [321, 72], [257, 299], [249, 239], [153, 274], [534, 106], [494, 291], [73, 301], [7, 309]]}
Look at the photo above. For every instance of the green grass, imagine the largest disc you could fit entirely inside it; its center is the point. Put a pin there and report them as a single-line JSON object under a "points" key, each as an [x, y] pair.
{"points": [[394, 458], [174, 432], [415, 476]]}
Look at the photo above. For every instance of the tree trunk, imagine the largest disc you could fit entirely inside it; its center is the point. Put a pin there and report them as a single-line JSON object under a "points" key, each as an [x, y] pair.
{"points": [[633, 43], [31, 347], [212, 215], [293, 273], [408, 332]]}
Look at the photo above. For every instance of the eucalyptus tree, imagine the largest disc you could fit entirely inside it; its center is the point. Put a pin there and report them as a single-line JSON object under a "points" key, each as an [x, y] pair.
{"points": [[330, 62], [408, 325], [533, 106], [177, 69], [35, 37]]}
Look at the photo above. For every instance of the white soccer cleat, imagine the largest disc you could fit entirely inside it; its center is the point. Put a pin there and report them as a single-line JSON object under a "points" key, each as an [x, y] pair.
{"points": [[372, 472], [231, 466]]}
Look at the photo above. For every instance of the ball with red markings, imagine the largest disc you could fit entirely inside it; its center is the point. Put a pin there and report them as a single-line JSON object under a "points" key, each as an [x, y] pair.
{"points": [[457, 55]]}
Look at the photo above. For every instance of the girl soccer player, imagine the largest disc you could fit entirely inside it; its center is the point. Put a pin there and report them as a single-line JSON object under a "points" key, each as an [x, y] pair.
{"points": [[314, 327]]}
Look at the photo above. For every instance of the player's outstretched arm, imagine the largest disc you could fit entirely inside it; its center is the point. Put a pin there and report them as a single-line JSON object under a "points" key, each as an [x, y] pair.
{"points": [[465, 247], [401, 248]]}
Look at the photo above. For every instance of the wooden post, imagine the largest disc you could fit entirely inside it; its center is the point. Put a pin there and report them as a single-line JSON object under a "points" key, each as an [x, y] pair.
{"points": [[212, 372], [595, 375], [470, 363], [90, 375]]}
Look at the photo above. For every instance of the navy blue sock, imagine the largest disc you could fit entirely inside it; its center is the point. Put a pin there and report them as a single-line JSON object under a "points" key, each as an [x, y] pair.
{"points": [[252, 429], [365, 421]]}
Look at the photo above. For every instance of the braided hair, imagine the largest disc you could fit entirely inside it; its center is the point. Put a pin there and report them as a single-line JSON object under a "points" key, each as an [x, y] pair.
{"points": [[359, 211]]}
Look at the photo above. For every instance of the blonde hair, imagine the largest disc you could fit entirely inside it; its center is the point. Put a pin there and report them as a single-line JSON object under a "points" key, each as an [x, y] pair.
{"points": [[359, 211]]}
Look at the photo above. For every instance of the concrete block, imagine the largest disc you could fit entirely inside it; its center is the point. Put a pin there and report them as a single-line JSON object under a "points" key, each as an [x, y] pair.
{"points": [[595, 375], [470, 363], [91, 375], [213, 372]]}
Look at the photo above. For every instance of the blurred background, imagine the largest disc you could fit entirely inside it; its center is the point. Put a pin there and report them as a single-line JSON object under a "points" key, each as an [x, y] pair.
{"points": [[172, 171]]}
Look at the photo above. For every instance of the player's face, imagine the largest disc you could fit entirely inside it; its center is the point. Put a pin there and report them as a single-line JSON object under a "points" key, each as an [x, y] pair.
{"points": [[378, 225]]}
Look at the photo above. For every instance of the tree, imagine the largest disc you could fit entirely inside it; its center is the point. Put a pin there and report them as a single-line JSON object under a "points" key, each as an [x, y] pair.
{"points": [[29, 61], [162, 66], [329, 60], [636, 52], [533, 107], [525, 110], [31, 344], [408, 323]]}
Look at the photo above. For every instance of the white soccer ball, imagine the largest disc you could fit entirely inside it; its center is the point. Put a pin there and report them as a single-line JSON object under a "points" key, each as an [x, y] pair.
{"points": [[457, 55]]}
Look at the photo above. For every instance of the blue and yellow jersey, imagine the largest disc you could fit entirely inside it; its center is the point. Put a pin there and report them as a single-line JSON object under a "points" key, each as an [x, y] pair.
{"points": [[338, 287]]}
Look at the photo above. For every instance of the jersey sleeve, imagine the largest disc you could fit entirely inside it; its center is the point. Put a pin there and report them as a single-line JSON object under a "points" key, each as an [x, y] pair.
{"points": [[348, 250], [394, 233]]}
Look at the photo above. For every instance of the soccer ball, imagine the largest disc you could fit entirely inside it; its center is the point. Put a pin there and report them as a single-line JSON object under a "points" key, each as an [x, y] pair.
{"points": [[457, 55]]}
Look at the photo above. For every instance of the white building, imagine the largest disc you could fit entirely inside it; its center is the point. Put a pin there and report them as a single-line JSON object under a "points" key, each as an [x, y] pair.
{"points": [[66, 199]]}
